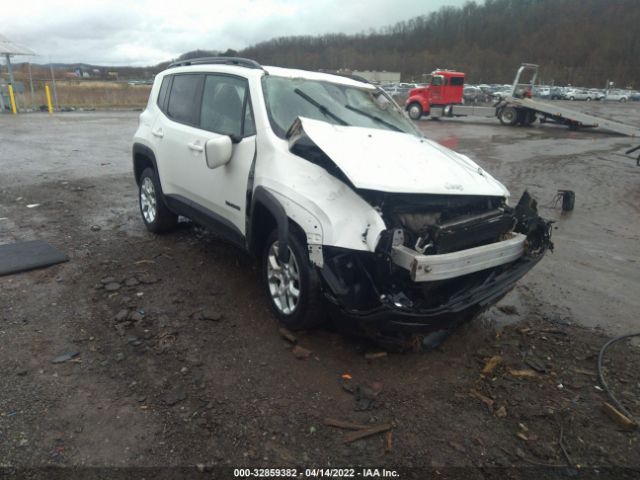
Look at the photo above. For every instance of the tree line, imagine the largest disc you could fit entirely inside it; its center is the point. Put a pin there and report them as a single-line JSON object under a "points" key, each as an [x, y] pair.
{"points": [[578, 42]]}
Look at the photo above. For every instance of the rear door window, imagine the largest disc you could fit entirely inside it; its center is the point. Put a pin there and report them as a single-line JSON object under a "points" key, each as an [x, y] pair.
{"points": [[182, 106]]}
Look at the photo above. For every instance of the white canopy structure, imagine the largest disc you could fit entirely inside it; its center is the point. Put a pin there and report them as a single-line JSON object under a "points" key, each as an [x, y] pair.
{"points": [[10, 49], [7, 47]]}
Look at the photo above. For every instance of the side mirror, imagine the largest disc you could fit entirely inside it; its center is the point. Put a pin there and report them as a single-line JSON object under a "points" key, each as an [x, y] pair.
{"points": [[218, 151]]}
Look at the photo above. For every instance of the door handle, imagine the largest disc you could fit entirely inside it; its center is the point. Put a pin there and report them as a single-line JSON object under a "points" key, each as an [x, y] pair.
{"points": [[196, 147], [157, 133]]}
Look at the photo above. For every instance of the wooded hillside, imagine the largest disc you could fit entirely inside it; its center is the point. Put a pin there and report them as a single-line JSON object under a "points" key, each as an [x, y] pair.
{"points": [[582, 42]]}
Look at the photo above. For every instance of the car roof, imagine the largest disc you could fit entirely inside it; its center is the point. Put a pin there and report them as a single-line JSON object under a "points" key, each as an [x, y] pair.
{"points": [[275, 71]]}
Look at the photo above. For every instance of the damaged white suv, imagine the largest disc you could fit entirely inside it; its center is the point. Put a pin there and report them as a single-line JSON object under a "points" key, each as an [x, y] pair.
{"points": [[346, 205]]}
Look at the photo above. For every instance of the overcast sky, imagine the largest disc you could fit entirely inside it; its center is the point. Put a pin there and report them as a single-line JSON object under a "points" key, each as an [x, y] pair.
{"points": [[146, 32]]}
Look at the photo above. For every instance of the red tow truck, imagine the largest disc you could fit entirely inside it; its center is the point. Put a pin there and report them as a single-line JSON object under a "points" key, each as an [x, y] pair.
{"points": [[444, 87], [442, 98]]}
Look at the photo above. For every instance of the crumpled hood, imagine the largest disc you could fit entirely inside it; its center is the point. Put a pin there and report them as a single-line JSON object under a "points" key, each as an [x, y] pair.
{"points": [[389, 161]]}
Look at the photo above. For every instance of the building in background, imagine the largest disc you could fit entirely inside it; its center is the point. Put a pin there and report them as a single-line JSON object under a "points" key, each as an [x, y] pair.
{"points": [[374, 76]]}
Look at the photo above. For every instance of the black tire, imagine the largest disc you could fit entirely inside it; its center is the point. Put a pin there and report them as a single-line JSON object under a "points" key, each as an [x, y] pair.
{"points": [[308, 311], [572, 98], [415, 111], [508, 116], [588, 99], [622, 100], [164, 220]]}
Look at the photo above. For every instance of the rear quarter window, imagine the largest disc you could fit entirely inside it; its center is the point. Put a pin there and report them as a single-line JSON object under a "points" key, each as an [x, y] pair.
{"points": [[456, 81], [162, 96]]}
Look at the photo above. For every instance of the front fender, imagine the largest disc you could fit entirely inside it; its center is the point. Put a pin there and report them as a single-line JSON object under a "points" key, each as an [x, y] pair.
{"points": [[424, 103], [333, 217]]}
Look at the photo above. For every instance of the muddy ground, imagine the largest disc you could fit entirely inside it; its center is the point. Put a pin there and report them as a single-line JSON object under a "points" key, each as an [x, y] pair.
{"points": [[177, 361]]}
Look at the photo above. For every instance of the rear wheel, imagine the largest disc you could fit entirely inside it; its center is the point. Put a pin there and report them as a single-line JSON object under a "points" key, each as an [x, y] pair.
{"points": [[572, 98], [623, 99], [292, 285], [155, 214], [508, 116], [588, 99], [415, 111]]}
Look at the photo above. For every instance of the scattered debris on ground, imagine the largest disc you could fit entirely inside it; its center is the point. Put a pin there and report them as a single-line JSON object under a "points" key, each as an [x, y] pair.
{"points": [[145, 383], [300, 352]]}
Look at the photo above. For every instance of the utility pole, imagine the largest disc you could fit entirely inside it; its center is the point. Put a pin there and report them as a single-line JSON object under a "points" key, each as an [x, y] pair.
{"points": [[10, 70], [10, 86], [31, 85], [53, 81], [1, 101]]}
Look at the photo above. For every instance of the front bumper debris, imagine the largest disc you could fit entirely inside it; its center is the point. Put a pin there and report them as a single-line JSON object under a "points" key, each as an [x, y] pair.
{"points": [[400, 289], [429, 268], [394, 316]]}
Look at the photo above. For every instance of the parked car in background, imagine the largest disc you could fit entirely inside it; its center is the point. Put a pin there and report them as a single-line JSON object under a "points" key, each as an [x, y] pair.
{"points": [[500, 94], [397, 89], [597, 94], [578, 94], [542, 92], [635, 96], [617, 95], [472, 94], [556, 93]]}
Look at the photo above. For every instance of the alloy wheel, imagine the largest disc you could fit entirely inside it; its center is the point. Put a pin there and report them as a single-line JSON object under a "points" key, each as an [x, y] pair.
{"points": [[148, 200], [283, 279]]}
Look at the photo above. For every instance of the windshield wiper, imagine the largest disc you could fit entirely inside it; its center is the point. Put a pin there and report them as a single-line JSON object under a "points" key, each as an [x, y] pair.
{"points": [[320, 107], [375, 117]]}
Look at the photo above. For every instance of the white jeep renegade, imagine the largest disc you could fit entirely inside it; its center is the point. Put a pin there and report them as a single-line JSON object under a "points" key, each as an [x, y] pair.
{"points": [[349, 209]]}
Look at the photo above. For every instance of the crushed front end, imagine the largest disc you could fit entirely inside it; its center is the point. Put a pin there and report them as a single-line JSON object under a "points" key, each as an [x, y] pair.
{"points": [[440, 262]]}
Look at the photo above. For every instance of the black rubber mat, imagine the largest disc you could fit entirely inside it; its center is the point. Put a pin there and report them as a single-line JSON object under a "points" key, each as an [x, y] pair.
{"points": [[23, 256]]}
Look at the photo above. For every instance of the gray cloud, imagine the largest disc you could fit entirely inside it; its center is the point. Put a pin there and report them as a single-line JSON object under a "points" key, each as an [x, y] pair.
{"points": [[145, 33]]}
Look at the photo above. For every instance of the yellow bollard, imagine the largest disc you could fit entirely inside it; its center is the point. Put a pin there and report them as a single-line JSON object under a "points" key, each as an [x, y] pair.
{"points": [[48, 93], [13, 100]]}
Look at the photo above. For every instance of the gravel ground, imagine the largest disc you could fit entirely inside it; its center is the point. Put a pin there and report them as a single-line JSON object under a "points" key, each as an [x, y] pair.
{"points": [[175, 360]]}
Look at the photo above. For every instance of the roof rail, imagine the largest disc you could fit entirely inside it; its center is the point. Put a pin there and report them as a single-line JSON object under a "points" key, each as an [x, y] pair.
{"points": [[240, 62]]}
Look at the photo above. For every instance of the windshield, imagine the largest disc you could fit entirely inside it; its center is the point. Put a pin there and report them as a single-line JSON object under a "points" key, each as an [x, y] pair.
{"points": [[290, 98]]}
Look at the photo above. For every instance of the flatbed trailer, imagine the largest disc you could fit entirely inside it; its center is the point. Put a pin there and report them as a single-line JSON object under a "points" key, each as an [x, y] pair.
{"points": [[520, 108]]}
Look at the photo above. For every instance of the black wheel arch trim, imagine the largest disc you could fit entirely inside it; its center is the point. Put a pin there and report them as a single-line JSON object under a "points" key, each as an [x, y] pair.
{"points": [[143, 150], [264, 197]]}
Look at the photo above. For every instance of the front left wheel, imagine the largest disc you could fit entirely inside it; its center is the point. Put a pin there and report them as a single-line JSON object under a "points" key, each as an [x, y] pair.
{"points": [[415, 111], [292, 284]]}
